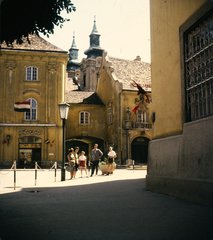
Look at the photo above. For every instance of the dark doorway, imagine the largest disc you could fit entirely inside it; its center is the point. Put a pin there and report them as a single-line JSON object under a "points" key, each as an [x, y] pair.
{"points": [[82, 146], [139, 149], [36, 157]]}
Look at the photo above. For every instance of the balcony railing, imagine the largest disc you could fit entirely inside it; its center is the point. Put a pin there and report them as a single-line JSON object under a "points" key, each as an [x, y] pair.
{"points": [[138, 125], [142, 125]]}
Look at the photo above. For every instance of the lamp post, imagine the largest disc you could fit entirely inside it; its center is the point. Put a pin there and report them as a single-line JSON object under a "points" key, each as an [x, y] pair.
{"points": [[63, 109]]}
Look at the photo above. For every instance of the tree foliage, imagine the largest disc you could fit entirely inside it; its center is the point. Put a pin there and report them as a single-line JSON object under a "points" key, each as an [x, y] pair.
{"points": [[22, 17]]}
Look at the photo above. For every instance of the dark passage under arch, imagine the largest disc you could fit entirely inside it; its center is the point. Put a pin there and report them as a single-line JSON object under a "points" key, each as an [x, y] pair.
{"points": [[139, 149]]}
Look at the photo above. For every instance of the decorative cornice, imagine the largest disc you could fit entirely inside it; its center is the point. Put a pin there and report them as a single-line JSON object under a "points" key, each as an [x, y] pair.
{"points": [[27, 125], [52, 67], [10, 64], [31, 90]]}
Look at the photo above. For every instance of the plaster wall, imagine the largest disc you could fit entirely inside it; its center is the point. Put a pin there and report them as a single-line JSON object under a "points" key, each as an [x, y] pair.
{"points": [[182, 165], [166, 18], [180, 154], [96, 128], [48, 92]]}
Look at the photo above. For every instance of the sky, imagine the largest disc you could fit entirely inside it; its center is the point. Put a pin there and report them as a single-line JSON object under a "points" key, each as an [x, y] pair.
{"points": [[124, 27]]}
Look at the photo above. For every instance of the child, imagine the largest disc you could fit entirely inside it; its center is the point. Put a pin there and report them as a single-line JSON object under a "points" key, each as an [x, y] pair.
{"points": [[82, 162]]}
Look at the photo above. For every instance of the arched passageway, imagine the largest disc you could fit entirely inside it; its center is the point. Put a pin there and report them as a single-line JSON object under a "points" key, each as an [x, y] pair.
{"points": [[139, 149]]}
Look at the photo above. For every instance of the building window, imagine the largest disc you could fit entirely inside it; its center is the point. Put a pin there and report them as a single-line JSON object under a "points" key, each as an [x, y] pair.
{"points": [[31, 73], [141, 116], [109, 115], [198, 61], [84, 80], [32, 114], [84, 118]]}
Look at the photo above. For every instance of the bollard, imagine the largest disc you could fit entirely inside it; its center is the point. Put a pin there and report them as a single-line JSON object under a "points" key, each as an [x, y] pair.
{"points": [[133, 162], [35, 173], [15, 175], [89, 167], [55, 170]]}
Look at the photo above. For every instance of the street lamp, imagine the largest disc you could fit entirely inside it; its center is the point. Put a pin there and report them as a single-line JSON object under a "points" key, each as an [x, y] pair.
{"points": [[63, 109]]}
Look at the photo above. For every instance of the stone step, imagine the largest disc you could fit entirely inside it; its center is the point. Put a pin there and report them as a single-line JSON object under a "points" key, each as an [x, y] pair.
{"points": [[137, 167]]}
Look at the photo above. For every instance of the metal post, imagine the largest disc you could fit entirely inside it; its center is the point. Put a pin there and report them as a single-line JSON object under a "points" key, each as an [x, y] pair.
{"points": [[35, 173], [63, 149], [15, 175], [55, 170], [133, 162]]}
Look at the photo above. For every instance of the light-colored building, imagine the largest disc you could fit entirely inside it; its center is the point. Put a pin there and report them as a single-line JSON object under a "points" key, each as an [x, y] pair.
{"points": [[180, 154], [33, 72], [105, 116]]}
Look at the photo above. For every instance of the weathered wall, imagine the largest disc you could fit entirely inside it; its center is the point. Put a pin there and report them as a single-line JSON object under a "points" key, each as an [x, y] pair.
{"points": [[166, 18], [95, 129], [180, 156], [48, 91]]}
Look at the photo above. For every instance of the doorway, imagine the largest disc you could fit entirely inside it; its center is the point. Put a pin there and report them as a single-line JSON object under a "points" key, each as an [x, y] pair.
{"points": [[139, 149]]}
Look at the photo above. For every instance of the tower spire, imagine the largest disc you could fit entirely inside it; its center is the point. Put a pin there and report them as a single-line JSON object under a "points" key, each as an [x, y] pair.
{"points": [[73, 41], [94, 30], [73, 62], [94, 50]]}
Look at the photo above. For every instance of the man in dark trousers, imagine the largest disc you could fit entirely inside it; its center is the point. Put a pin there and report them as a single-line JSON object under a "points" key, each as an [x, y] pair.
{"points": [[94, 158]]}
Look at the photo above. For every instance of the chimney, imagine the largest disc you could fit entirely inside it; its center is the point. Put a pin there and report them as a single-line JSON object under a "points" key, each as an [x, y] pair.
{"points": [[138, 58]]}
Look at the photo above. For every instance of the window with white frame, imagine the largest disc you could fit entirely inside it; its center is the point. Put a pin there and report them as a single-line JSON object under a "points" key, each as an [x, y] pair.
{"points": [[109, 115], [32, 114], [32, 73], [84, 118], [141, 116]]}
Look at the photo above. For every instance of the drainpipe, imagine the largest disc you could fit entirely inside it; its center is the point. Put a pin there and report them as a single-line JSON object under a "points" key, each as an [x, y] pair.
{"points": [[121, 127]]}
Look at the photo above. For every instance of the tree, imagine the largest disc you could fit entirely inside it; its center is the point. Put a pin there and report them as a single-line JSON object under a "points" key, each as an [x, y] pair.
{"points": [[23, 17]]}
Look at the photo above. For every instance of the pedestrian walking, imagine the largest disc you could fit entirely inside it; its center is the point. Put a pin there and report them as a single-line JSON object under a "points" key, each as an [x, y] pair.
{"points": [[111, 155], [76, 160], [71, 163], [82, 162], [94, 158]]}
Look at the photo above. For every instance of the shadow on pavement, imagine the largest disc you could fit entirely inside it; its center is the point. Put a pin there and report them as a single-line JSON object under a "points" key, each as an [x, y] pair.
{"points": [[109, 210]]}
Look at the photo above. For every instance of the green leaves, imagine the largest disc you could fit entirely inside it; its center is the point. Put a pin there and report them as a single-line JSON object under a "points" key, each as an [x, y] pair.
{"points": [[22, 17]]}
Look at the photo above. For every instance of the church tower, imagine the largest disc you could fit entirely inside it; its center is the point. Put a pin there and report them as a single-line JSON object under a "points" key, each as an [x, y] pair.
{"points": [[94, 50], [73, 62], [91, 64]]}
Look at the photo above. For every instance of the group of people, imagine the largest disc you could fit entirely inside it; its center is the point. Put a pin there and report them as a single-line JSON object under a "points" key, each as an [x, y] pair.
{"points": [[76, 160]]}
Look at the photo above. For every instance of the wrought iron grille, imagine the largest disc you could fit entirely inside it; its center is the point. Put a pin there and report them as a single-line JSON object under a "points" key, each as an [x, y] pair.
{"points": [[199, 68]]}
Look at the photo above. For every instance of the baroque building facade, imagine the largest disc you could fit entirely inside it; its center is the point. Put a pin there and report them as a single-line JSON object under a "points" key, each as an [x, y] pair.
{"points": [[180, 154], [36, 73], [101, 100]]}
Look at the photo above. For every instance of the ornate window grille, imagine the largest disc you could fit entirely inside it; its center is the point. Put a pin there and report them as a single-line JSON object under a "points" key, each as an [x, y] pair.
{"points": [[198, 41]]}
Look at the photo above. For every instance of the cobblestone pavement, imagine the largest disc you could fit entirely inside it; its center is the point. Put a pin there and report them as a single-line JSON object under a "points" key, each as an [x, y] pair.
{"points": [[100, 207]]}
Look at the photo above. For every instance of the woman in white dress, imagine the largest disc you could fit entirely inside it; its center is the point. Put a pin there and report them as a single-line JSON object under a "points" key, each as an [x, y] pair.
{"points": [[110, 159]]}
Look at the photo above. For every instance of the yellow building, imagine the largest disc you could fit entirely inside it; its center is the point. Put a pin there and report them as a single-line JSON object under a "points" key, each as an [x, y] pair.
{"points": [[127, 131], [105, 116], [31, 72], [180, 154]]}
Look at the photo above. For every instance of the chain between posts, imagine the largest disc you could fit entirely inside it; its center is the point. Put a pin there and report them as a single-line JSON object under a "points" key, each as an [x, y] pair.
{"points": [[9, 170]]}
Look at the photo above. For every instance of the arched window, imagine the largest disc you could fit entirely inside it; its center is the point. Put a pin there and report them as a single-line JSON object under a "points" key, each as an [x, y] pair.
{"points": [[32, 73], [32, 114], [141, 116], [84, 118], [110, 115]]}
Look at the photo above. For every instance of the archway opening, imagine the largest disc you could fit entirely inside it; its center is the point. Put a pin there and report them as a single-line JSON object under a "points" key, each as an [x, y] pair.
{"points": [[139, 149]]}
